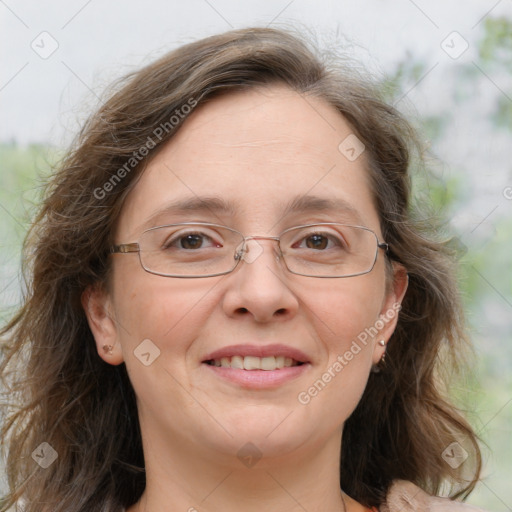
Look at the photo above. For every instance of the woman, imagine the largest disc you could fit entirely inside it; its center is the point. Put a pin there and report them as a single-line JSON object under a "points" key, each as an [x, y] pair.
{"points": [[230, 306]]}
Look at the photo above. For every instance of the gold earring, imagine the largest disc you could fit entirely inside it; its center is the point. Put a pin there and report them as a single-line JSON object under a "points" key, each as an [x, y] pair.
{"points": [[382, 343], [375, 367], [108, 349]]}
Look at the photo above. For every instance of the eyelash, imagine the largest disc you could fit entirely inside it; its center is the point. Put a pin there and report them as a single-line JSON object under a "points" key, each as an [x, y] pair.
{"points": [[177, 237], [335, 239]]}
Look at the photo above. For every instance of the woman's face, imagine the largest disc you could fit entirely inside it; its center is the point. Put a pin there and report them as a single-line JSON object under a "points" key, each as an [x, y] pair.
{"points": [[241, 161]]}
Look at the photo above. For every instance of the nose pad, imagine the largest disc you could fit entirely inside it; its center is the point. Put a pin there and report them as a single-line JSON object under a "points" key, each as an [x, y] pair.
{"points": [[250, 250]]}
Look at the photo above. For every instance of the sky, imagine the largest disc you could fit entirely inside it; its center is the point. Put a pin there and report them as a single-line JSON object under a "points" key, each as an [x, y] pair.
{"points": [[57, 55]]}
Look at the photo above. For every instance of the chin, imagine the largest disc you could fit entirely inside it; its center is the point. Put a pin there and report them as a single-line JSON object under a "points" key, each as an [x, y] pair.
{"points": [[250, 447], [275, 432]]}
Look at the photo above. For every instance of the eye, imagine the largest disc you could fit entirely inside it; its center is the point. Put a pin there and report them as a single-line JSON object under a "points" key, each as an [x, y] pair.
{"points": [[190, 241], [320, 241], [317, 242]]}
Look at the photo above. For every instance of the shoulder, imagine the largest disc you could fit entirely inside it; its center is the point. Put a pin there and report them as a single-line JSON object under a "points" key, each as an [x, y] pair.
{"points": [[407, 497]]}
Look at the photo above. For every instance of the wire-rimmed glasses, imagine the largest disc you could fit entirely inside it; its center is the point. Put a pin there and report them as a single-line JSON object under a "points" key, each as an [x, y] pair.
{"points": [[193, 250]]}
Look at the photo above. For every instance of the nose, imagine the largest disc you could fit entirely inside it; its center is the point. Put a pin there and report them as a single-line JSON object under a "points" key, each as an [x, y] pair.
{"points": [[258, 288]]}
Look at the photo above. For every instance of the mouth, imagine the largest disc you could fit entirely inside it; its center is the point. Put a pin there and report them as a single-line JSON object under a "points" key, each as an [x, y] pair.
{"points": [[254, 367], [268, 363]]}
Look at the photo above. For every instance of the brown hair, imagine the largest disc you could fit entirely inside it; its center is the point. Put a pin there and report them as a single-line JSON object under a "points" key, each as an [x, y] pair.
{"points": [[60, 392]]}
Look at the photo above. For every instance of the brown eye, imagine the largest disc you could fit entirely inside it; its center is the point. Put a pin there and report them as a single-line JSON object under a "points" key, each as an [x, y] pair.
{"points": [[191, 241], [317, 242]]}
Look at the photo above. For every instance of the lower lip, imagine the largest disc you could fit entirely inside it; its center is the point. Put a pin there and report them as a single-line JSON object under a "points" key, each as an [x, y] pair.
{"points": [[259, 379]]}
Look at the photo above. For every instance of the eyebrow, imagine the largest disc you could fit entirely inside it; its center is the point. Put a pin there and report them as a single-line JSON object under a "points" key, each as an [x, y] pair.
{"points": [[217, 205], [315, 204], [196, 204]]}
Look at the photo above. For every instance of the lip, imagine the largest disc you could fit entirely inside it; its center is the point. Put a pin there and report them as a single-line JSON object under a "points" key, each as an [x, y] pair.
{"points": [[258, 379], [259, 351]]}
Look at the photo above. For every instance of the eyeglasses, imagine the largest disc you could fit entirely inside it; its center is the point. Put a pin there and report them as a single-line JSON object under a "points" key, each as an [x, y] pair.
{"points": [[192, 250]]}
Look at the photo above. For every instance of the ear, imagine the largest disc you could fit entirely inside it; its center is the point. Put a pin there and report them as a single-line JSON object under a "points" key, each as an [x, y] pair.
{"points": [[99, 312], [391, 306]]}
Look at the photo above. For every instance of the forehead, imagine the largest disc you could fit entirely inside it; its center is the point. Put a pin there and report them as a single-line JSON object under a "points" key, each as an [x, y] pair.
{"points": [[258, 151]]}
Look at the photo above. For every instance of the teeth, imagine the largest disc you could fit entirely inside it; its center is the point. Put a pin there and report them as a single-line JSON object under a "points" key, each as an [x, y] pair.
{"points": [[252, 363], [255, 363], [268, 363], [237, 362]]}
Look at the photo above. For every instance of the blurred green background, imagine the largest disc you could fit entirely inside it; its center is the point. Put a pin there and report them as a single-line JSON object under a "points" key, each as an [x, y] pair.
{"points": [[484, 254]]}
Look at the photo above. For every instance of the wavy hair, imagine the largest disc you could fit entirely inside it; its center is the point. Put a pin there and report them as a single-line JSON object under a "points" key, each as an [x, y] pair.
{"points": [[57, 390]]}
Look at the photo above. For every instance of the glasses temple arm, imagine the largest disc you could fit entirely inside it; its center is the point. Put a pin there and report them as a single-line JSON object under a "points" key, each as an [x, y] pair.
{"points": [[124, 248]]}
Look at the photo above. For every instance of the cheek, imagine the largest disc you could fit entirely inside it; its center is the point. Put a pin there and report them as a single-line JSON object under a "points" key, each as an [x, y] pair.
{"points": [[342, 319], [343, 309], [170, 315], [168, 312]]}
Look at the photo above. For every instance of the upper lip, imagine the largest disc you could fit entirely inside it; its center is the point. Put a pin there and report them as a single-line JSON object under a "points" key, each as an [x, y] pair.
{"points": [[258, 351]]}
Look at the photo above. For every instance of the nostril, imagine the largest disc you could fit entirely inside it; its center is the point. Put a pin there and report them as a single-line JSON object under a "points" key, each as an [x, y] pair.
{"points": [[280, 312], [243, 311]]}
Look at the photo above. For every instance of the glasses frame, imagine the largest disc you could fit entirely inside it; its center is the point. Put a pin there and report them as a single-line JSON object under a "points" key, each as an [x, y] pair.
{"points": [[238, 255]]}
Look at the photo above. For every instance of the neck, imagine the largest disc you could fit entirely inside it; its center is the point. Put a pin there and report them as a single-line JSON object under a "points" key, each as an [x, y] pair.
{"points": [[184, 476]]}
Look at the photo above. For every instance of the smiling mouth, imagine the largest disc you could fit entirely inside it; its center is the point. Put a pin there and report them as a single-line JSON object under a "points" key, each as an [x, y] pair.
{"points": [[268, 363]]}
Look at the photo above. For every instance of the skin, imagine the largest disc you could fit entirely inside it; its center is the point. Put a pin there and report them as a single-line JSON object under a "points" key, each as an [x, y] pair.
{"points": [[257, 149]]}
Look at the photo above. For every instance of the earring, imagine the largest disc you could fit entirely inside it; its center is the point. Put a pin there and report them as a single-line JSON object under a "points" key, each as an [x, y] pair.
{"points": [[108, 349], [375, 367], [382, 343]]}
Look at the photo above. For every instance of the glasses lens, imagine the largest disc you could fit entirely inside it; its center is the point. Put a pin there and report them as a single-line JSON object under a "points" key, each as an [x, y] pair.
{"points": [[329, 250], [189, 250]]}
